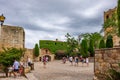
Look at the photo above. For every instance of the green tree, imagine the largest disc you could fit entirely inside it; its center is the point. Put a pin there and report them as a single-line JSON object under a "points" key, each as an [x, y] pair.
{"points": [[102, 44], [109, 42], [72, 44], [36, 50], [91, 48], [118, 17], [94, 36], [84, 48], [7, 57]]}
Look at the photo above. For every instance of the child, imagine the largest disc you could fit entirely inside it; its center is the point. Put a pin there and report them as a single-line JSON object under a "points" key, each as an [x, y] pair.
{"points": [[21, 69]]}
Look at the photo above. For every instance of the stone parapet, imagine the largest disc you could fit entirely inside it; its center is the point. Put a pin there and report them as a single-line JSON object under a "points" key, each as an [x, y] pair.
{"points": [[106, 59]]}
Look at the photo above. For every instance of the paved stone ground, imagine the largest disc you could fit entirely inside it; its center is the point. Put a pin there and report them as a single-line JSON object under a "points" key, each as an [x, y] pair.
{"points": [[56, 70]]}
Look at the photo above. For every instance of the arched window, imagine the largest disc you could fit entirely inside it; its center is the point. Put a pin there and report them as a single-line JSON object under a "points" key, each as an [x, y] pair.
{"points": [[107, 17]]}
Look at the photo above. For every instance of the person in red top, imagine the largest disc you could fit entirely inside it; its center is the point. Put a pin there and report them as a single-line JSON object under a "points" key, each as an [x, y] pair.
{"points": [[44, 61]]}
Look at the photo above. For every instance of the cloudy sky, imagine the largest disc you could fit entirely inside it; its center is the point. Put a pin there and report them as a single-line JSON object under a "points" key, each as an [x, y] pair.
{"points": [[51, 19]]}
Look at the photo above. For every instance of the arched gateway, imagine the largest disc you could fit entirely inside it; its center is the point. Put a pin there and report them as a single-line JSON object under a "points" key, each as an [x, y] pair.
{"points": [[46, 52]]}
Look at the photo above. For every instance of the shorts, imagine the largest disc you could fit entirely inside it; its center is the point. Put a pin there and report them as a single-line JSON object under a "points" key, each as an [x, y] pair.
{"points": [[16, 70]]}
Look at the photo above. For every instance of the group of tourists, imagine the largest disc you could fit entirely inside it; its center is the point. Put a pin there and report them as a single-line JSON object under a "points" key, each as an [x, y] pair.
{"points": [[75, 60], [17, 69]]}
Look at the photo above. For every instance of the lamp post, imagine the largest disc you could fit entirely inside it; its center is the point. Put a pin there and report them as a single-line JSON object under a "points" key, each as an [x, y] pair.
{"points": [[2, 18]]}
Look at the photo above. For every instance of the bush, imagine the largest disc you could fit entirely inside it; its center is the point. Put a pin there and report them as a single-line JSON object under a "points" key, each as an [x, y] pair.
{"points": [[102, 44], [109, 42]]}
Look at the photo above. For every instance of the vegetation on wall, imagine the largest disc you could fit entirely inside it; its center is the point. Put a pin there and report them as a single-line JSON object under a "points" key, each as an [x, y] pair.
{"points": [[36, 50], [118, 17], [110, 22], [53, 46]]}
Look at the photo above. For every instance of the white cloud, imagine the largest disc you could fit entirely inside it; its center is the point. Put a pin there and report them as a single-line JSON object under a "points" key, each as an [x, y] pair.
{"points": [[51, 19]]}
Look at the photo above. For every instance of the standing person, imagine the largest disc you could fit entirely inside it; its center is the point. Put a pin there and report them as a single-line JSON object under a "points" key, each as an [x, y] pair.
{"points": [[76, 61], [64, 60], [83, 61], [29, 61], [44, 61], [16, 67], [71, 60], [47, 59], [87, 61]]}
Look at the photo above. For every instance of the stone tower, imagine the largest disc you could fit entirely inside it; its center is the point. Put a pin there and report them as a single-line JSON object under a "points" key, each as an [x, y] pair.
{"points": [[12, 36], [111, 29]]}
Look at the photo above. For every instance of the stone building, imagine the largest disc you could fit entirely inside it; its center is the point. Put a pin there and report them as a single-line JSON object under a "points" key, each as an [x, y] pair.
{"points": [[45, 52], [111, 29], [12, 36]]}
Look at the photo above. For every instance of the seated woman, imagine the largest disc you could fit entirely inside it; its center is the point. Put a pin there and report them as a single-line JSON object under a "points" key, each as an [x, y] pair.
{"points": [[10, 70]]}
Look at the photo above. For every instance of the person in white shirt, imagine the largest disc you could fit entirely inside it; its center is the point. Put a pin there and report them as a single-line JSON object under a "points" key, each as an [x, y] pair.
{"points": [[87, 61], [16, 67]]}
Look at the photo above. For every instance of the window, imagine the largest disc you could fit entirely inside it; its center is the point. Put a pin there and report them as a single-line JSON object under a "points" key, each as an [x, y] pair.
{"points": [[107, 17]]}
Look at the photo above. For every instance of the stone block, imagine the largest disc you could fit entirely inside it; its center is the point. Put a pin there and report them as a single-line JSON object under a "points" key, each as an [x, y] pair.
{"points": [[27, 69], [115, 65]]}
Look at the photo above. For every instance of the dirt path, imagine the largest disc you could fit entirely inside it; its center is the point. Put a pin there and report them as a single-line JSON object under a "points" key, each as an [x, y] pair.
{"points": [[56, 70]]}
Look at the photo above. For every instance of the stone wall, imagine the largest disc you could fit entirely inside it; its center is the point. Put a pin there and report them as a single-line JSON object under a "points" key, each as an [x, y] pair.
{"points": [[111, 29], [12, 36], [28, 54], [42, 52], [106, 59]]}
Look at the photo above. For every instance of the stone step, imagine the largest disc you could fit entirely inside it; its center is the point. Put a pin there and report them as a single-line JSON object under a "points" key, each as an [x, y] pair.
{"points": [[30, 76]]}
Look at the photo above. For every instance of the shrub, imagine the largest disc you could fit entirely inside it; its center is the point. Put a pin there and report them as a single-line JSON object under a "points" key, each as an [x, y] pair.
{"points": [[109, 42]]}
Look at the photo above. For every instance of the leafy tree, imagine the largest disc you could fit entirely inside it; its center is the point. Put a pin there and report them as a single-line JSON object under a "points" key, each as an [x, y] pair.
{"points": [[36, 50], [118, 17], [84, 48], [91, 48], [109, 42], [7, 57], [102, 44], [71, 44], [94, 36]]}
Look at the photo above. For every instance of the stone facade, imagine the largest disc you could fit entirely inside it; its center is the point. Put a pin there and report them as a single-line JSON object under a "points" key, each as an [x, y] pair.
{"points": [[43, 52], [106, 59], [108, 15], [12, 36], [28, 53], [46, 52]]}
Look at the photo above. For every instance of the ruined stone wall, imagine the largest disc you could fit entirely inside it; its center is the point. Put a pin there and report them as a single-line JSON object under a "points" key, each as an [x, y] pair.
{"points": [[108, 15], [28, 53], [106, 59], [12, 36]]}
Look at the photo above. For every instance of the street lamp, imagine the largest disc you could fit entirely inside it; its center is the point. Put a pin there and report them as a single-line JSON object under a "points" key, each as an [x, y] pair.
{"points": [[2, 18]]}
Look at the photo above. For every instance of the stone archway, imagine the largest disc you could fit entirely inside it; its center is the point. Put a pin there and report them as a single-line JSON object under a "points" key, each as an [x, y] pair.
{"points": [[49, 57]]}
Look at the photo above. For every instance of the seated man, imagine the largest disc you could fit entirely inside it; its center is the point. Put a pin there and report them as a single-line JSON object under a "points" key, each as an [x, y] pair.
{"points": [[16, 67]]}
